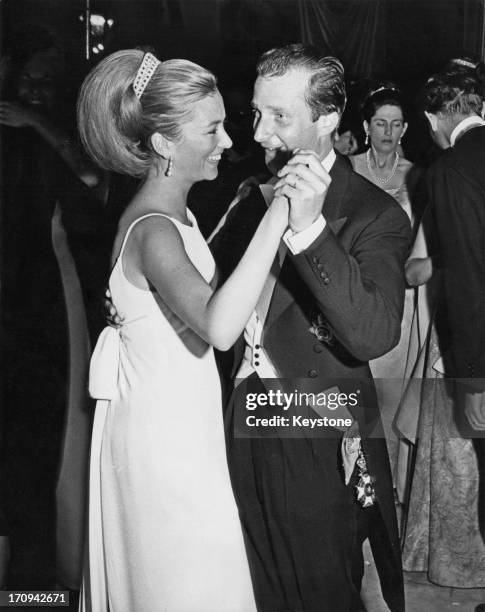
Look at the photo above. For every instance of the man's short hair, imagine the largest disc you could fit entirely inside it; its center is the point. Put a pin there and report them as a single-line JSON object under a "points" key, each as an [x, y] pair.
{"points": [[326, 85], [452, 94]]}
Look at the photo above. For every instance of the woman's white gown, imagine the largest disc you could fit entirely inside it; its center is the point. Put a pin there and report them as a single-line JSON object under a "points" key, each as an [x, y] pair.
{"points": [[164, 532]]}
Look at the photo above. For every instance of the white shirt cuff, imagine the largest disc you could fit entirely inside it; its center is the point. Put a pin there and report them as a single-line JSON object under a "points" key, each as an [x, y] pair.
{"points": [[299, 241]]}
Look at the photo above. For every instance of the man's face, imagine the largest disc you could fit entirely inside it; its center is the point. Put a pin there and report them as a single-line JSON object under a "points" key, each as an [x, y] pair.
{"points": [[282, 118]]}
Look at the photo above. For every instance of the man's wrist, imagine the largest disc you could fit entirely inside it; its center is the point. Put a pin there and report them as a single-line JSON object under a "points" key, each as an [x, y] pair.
{"points": [[296, 228], [301, 240]]}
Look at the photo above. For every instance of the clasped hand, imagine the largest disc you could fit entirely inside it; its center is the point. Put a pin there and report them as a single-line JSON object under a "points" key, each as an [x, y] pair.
{"points": [[304, 182]]}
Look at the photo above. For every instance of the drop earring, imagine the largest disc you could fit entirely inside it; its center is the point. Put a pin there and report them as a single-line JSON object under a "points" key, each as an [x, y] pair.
{"points": [[168, 171], [366, 138]]}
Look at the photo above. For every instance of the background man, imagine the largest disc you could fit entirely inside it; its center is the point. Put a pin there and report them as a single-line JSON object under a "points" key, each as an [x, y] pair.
{"points": [[453, 105]]}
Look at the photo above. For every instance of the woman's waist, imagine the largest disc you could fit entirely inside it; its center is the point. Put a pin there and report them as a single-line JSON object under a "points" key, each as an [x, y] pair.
{"points": [[130, 354]]}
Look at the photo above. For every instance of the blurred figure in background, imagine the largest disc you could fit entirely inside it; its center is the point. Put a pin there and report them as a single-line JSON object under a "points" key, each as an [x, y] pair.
{"points": [[50, 220]]}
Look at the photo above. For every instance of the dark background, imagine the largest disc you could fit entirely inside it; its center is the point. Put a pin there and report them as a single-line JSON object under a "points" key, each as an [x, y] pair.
{"points": [[413, 37], [401, 40]]}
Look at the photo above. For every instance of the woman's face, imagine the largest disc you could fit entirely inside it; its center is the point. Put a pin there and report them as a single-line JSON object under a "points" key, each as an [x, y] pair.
{"points": [[386, 127], [197, 153], [37, 82]]}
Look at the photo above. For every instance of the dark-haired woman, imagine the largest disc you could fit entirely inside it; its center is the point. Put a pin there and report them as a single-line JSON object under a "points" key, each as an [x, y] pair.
{"points": [[384, 165]]}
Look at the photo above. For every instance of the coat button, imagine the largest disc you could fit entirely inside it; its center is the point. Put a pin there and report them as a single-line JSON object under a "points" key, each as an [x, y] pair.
{"points": [[326, 281], [312, 373], [316, 260], [318, 348], [320, 266]]}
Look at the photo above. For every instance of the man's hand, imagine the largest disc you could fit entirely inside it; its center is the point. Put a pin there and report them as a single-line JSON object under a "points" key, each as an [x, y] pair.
{"points": [[474, 404], [304, 182]]}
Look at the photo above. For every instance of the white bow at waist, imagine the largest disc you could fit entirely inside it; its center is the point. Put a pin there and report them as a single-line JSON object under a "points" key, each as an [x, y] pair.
{"points": [[104, 366]]}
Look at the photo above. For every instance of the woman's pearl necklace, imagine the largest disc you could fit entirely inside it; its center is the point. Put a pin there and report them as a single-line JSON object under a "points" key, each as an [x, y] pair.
{"points": [[378, 179]]}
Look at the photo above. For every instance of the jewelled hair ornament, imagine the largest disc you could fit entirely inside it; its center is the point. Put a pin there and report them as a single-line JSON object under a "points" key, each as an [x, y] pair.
{"points": [[462, 62], [144, 74], [382, 88]]}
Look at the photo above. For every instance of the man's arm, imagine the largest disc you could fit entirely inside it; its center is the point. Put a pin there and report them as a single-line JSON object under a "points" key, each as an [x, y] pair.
{"points": [[361, 293]]}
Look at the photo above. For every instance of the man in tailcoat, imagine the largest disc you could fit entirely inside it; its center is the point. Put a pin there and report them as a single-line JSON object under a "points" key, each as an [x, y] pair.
{"points": [[333, 301], [453, 105]]}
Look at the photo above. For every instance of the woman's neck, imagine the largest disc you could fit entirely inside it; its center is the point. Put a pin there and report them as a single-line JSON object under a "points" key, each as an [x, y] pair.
{"points": [[382, 160], [164, 194]]}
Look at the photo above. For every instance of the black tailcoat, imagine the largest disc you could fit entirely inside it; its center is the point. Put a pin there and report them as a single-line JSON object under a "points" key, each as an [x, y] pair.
{"points": [[301, 522]]}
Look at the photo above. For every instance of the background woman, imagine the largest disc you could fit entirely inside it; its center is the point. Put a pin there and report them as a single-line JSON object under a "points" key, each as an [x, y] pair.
{"points": [[384, 165], [164, 531]]}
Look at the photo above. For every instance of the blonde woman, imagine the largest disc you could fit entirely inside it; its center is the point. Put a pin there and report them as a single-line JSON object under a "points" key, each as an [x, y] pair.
{"points": [[164, 531]]}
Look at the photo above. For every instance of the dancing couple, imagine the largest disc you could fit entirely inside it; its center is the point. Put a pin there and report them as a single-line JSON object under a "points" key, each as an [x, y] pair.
{"points": [[184, 515]]}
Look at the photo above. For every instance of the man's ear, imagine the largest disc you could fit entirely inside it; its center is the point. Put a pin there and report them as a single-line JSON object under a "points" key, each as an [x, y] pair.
{"points": [[433, 120], [161, 145], [327, 124]]}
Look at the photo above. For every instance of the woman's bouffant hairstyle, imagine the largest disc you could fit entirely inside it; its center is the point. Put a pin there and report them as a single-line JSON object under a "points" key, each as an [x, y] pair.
{"points": [[381, 94], [115, 125], [326, 86], [452, 93]]}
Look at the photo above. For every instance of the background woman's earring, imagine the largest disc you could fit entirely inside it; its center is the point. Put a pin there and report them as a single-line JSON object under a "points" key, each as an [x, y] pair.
{"points": [[367, 139], [168, 171]]}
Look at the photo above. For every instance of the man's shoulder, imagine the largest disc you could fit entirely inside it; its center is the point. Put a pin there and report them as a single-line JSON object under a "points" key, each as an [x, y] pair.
{"points": [[365, 198], [465, 160], [474, 136]]}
